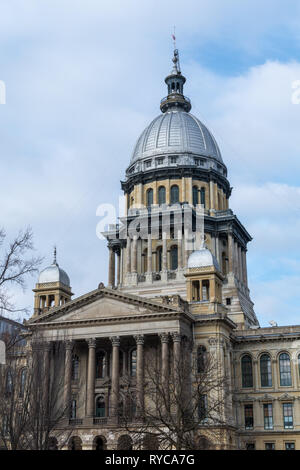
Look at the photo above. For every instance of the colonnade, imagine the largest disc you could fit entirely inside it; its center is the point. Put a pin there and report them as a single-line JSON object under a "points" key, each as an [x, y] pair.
{"points": [[115, 373]]}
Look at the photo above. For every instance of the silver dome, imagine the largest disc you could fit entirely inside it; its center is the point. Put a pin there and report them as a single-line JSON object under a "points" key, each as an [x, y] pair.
{"points": [[202, 258], [54, 273], [176, 132]]}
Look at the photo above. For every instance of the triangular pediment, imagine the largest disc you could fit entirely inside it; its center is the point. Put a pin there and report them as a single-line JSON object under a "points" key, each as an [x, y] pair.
{"points": [[101, 304]]}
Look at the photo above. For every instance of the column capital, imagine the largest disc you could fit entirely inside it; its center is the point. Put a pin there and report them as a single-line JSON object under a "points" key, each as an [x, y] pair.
{"points": [[176, 337], [91, 342], [139, 339], [164, 337], [115, 340], [69, 344]]}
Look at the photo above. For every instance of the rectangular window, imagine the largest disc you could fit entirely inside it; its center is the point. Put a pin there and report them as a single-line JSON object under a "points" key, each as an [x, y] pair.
{"points": [[288, 416], [270, 445], [268, 416], [173, 160], [248, 410], [159, 161], [228, 301], [199, 161], [202, 407], [289, 445], [148, 163]]}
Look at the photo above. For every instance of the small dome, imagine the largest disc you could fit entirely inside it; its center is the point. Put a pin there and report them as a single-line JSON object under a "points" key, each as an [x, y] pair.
{"points": [[54, 273], [202, 258], [176, 131]]}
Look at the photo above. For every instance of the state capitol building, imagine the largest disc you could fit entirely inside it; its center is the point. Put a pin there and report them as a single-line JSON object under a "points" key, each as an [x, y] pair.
{"points": [[171, 285]]}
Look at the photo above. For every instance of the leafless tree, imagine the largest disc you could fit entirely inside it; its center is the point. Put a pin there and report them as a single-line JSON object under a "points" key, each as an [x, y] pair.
{"points": [[32, 412], [182, 411], [16, 264]]}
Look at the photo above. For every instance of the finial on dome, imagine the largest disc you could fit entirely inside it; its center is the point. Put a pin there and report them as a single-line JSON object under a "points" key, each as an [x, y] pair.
{"points": [[175, 82], [54, 255]]}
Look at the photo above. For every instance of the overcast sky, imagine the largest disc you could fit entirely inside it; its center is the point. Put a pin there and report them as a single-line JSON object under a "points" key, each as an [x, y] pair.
{"points": [[83, 79]]}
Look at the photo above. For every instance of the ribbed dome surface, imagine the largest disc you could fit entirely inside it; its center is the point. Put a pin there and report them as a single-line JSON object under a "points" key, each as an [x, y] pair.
{"points": [[173, 132], [54, 273]]}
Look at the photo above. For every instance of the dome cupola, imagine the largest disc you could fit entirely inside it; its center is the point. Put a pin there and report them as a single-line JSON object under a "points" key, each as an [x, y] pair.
{"points": [[52, 289], [175, 82], [54, 273]]}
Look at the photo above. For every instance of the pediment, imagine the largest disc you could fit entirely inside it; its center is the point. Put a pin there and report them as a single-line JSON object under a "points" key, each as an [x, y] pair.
{"points": [[105, 308], [103, 304]]}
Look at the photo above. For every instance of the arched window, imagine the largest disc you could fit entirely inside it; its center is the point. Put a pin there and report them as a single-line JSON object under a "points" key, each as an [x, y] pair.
{"points": [[75, 367], [149, 197], [195, 195], [75, 443], [101, 368], [201, 359], [73, 409], [265, 371], [202, 196], [159, 259], [161, 195], [100, 407], [52, 443], [174, 257], [174, 194], [9, 383], [247, 375], [285, 370], [23, 376], [203, 443], [133, 363], [99, 443]]}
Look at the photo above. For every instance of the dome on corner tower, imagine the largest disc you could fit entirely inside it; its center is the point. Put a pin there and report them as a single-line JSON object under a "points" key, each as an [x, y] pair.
{"points": [[202, 258], [54, 273]]}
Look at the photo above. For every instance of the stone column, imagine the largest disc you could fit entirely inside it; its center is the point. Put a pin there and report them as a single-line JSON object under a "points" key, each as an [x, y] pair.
{"points": [[111, 268], [68, 372], [128, 256], [230, 253], [140, 372], [176, 354], [149, 254], [91, 377], [164, 252], [118, 267], [244, 257], [47, 349], [240, 263], [114, 398], [217, 241], [212, 195], [164, 337], [134, 254], [235, 258], [179, 249]]}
